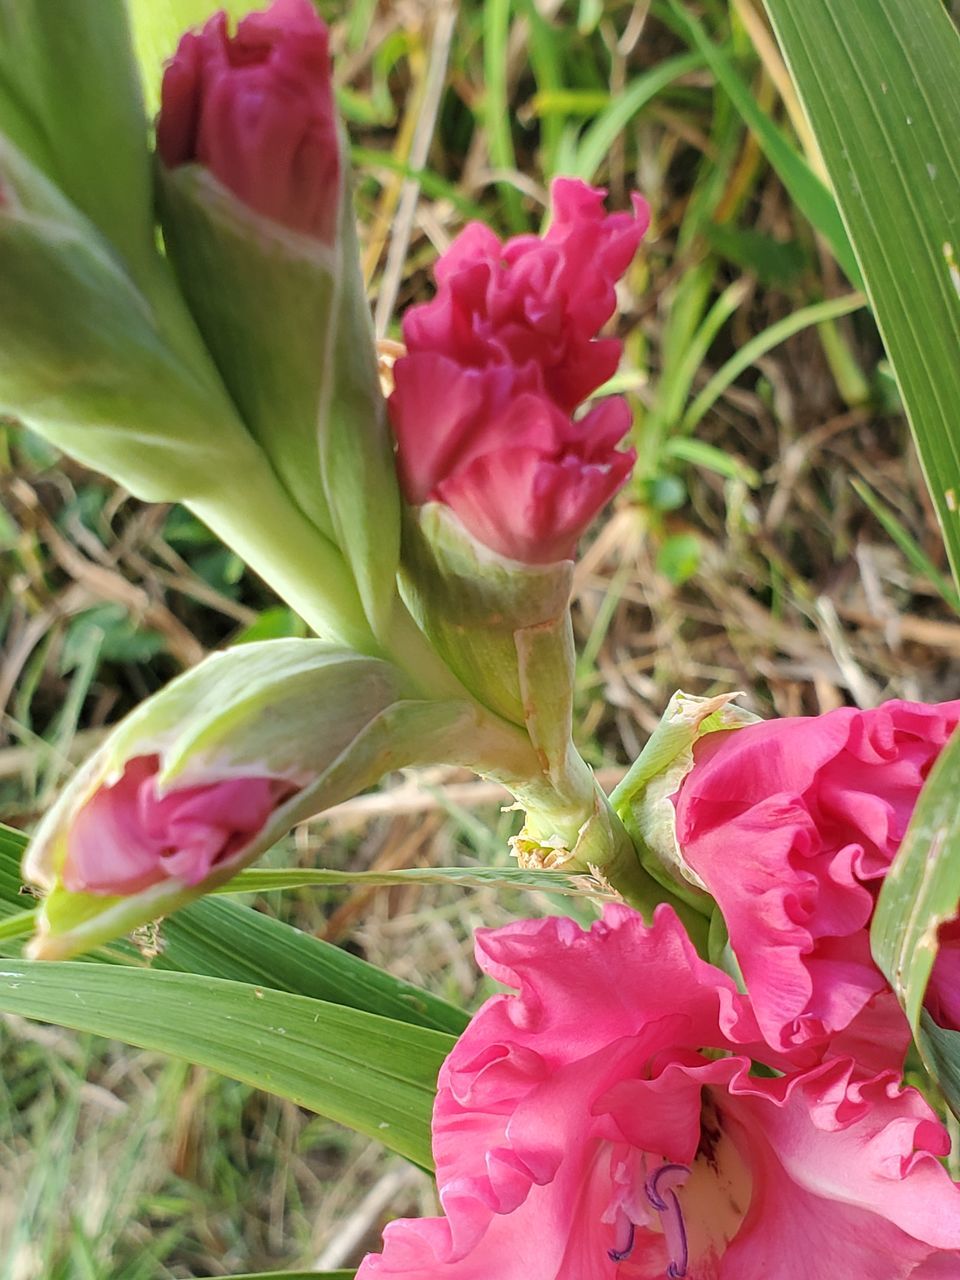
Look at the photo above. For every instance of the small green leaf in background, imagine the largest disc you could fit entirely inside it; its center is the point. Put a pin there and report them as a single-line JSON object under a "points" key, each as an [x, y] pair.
{"points": [[678, 558], [880, 81], [921, 892], [811, 197]]}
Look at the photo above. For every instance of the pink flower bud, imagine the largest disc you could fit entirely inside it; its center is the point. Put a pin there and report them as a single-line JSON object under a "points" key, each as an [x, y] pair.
{"points": [[128, 836], [257, 110], [498, 361]]}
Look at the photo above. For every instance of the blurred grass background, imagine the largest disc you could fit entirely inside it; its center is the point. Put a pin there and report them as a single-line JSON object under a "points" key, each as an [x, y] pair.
{"points": [[777, 538]]}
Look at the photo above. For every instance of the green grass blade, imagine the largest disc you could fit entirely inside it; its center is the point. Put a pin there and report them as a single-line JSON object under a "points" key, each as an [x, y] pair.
{"points": [[597, 140], [223, 939], [902, 537], [761, 344], [496, 106], [880, 81], [372, 1074], [811, 197], [920, 892], [262, 880]]}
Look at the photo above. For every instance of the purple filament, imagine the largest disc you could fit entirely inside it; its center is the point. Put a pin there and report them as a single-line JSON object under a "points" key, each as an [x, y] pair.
{"points": [[618, 1255], [662, 1196]]}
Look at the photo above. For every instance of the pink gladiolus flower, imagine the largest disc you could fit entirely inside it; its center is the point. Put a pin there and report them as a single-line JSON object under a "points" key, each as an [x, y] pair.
{"points": [[603, 1125], [498, 361], [128, 836], [257, 110], [792, 824]]}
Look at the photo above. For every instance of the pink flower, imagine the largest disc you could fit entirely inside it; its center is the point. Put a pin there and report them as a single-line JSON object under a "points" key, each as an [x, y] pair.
{"points": [[496, 365], [604, 1124], [792, 824], [257, 110], [128, 836]]}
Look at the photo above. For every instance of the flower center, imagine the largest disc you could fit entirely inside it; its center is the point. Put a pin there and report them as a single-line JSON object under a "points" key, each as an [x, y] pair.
{"points": [[646, 1200]]}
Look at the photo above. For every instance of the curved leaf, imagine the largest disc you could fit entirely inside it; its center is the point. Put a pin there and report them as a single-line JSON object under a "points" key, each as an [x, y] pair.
{"points": [[373, 1074]]}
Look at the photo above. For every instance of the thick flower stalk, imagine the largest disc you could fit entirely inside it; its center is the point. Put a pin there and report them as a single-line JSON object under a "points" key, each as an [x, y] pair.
{"points": [[502, 475], [604, 1123], [256, 209], [791, 826], [98, 350]]}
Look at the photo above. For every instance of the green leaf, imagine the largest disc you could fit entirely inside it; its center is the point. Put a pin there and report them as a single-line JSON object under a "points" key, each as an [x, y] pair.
{"points": [[67, 84], [225, 940], [12, 845], [880, 81], [372, 1074], [775, 263], [678, 557], [811, 197], [915, 554], [921, 892], [262, 880], [595, 144], [759, 345]]}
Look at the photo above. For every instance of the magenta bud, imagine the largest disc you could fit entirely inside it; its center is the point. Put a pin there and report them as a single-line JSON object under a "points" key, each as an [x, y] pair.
{"points": [[256, 109], [498, 362]]}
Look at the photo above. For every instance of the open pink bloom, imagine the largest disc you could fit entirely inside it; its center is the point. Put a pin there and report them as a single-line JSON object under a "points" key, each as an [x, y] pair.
{"points": [[496, 364], [603, 1125], [257, 110], [792, 824], [128, 837]]}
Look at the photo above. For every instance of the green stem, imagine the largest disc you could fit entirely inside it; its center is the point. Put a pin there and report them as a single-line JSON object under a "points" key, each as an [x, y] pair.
{"points": [[277, 541]]}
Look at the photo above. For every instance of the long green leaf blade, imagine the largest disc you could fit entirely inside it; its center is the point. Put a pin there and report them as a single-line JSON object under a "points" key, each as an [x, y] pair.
{"points": [[372, 1074], [880, 81], [225, 940]]}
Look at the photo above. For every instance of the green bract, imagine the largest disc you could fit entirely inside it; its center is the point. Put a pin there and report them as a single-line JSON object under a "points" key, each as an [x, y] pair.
{"points": [[286, 320], [643, 797]]}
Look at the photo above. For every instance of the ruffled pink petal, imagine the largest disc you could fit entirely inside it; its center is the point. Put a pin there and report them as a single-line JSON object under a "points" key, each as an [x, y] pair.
{"points": [[846, 1179], [788, 823]]}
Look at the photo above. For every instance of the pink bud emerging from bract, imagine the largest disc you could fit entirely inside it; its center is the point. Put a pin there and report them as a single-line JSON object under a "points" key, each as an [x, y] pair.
{"points": [[496, 364], [604, 1124], [128, 836], [257, 110], [792, 824]]}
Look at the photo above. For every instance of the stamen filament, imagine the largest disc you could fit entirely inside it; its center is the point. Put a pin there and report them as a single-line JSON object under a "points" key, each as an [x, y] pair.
{"points": [[661, 1194]]}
